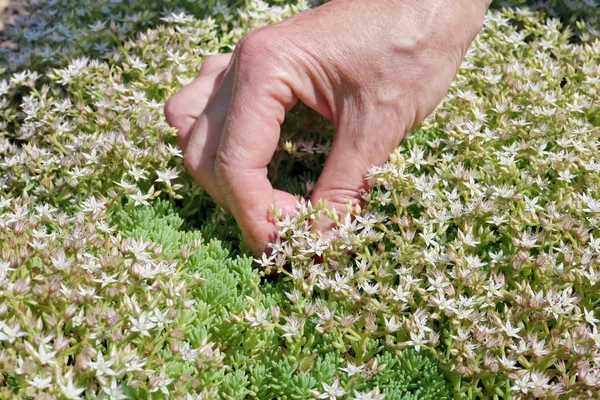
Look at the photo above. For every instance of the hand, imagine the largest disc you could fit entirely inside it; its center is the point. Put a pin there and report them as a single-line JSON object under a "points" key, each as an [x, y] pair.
{"points": [[376, 68]]}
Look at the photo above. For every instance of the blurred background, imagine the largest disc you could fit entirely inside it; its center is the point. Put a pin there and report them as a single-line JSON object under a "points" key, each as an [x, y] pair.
{"points": [[9, 9]]}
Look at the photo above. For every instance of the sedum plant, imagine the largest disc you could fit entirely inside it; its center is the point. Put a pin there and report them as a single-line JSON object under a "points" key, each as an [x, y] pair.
{"points": [[479, 241], [146, 308], [471, 271]]}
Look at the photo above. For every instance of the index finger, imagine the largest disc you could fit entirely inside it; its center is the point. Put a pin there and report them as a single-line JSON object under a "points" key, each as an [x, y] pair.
{"points": [[259, 101]]}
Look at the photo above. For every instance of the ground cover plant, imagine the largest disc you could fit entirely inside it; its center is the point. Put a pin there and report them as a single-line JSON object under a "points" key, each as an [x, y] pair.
{"points": [[471, 272]]}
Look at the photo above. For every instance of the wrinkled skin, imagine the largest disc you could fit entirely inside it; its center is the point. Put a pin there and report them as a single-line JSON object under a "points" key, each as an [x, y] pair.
{"points": [[376, 68]]}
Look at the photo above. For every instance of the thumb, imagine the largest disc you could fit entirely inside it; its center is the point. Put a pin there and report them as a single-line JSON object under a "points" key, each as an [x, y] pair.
{"points": [[361, 142]]}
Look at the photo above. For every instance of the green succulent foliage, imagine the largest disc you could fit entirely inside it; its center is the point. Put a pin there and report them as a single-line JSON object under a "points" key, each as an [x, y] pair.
{"points": [[411, 375], [258, 362]]}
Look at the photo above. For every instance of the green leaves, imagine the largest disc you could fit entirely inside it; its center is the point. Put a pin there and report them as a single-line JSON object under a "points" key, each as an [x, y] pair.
{"points": [[411, 375], [253, 361]]}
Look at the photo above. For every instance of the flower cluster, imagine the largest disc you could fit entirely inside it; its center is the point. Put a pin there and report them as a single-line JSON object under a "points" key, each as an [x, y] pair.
{"points": [[135, 305], [105, 291], [480, 240], [472, 271]]}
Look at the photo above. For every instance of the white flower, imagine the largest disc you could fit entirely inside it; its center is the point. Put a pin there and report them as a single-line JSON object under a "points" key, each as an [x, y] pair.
{"points": [[498, 257], [259, 317], [566, 175], [140, 199], [507, 362], [40, 382], [92, 205], [101, 366], [467, 237], [138, 248], [369, 288], [417, 157], [161, 318], [106, 279], [189, 354], [522, 383], [293, 327], [589, 316], [142, 324], [167, 176], [510, 330], [160, 382], [204, 395], [174, 151], [114, 392], [497, 220], [332, 391], [60, 261], [97, 26], [352, 369], [70, 391], [136, 364], [137, 174], [127, 186], [44, 356], [11, 333], [417, 340], [392, 324], [372, 395]]}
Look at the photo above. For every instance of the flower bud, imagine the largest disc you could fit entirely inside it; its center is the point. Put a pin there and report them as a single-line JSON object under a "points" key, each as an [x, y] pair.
{"points": [[21, 286], [24, 252], [18, 228], [51, 320], [568, 256], [582, 233], [370, 323], [136, 271], [174, 345], [38, 290], [91, 319], [275, 313], [490, 363], [541, 260], [70, 311], [185, 253]]}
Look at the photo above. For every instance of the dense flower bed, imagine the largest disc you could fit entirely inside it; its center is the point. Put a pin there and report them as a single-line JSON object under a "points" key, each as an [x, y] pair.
{"points": [[472, 271]]}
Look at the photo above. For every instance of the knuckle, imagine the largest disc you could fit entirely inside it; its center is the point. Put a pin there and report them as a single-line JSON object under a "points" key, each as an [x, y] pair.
{"points": [[256, 46]]}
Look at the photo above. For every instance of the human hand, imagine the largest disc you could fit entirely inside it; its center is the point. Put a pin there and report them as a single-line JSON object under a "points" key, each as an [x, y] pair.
{"points": [[376, 68]]}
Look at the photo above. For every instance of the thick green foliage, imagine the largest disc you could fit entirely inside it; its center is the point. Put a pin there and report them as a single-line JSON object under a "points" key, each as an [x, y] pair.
{"points": [[411, 376], [259, 361]]}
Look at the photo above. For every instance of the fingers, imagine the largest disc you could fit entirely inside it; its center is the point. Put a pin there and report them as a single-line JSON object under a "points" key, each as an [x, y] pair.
{"points": [[214, 63], [359, 144], [251, 131], [204, 138], [183, 109]]}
